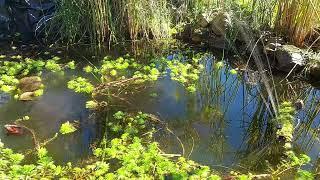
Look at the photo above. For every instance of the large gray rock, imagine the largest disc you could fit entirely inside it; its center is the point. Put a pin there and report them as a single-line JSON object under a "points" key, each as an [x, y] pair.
{"points": [[202, 21], [219, 24], [314, 67], [289, 58], [30, 84]]}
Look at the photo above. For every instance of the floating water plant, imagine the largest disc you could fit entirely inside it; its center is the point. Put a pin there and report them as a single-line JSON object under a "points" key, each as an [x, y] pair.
{"points": [[91, 105], [11, 70], [286, 119], [67, 128], [127, 123], [184, 72], [81, 85]]}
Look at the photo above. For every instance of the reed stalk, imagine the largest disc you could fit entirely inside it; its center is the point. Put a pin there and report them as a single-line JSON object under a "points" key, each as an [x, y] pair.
{"points": [[298, 19]]}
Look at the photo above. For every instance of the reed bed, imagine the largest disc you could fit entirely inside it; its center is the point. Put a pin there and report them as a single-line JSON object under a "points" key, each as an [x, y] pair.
{"points": [[298, 19], [107, 20]]}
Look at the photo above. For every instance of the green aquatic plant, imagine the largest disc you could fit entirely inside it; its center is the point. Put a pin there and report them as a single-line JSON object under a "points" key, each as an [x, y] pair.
{"points": [[67, 128], [71, 65], [137, 160], [52, 65], [233, 71], [286, 119], [91, 105], [81, 85], [186, 73], [12, 71], [218, 65], [88, 69], [293, 162], [127, 123]]}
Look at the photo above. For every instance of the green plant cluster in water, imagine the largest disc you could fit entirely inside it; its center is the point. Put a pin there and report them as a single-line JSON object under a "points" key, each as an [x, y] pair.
{"points": [[292, 161], [125, 67], [81, 85], [126, 123], [186, 73], [128, 155], [286, 118], [122, 68], [140, 161], [12, 71]]}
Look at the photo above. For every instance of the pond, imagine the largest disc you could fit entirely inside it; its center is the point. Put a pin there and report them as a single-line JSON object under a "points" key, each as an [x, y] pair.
{"points": [[224, 124]]}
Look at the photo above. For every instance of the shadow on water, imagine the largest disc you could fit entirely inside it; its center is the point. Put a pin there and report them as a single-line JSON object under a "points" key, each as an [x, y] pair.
{"points": [[226, 123]]}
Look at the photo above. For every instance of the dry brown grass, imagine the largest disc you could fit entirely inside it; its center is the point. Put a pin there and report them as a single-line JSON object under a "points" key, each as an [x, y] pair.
{"points": [[297, 19]]}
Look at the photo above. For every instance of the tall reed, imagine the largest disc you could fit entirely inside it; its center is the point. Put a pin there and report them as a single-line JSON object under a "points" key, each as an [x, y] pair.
{"points": [[297, 19], [108, 20]]}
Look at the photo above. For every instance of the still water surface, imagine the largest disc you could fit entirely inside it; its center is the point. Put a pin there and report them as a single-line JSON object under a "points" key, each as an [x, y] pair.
{"points": [[220, 125]]}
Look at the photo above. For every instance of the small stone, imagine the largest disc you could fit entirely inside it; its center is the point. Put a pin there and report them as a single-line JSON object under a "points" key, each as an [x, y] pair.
{"points": [[299, 104], [27, 96], [279, 126]]}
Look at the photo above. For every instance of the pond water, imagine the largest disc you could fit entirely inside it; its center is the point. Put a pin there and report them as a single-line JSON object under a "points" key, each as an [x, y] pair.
{"points": [[223, 124]]}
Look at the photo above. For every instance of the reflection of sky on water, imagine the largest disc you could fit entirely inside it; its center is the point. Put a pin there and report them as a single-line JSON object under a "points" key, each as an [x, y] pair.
{"points": [[55, 107], [214, 137]]}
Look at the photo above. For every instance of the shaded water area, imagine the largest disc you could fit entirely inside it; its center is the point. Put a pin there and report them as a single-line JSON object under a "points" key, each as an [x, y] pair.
{"points": [[224, 124]]}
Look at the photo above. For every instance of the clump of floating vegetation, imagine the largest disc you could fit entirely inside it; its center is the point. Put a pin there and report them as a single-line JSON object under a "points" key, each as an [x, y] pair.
{"points": [[114, 76], [286, 121], [13, 72]]}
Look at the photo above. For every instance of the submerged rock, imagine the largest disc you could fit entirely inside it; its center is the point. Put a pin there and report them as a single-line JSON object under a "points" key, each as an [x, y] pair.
{"points": [[4, 98], [30, 84], [27, 96], [13, 129]]}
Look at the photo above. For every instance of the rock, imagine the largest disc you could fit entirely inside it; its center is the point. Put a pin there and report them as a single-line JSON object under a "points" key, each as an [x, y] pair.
{"points": [[29, 84], [13, 129], [4, 98], [314, 71], [196, 38], [202, 21], [219, 24], [218, 42], [289, 58], [27, 96], [272, 47]]}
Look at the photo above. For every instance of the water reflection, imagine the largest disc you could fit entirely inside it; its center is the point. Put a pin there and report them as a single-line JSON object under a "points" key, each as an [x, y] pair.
{"points": [[227, 122]]}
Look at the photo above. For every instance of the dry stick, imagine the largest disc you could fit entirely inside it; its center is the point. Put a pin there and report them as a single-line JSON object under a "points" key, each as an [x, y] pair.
{"points": [[34, 138], [153, 117]]}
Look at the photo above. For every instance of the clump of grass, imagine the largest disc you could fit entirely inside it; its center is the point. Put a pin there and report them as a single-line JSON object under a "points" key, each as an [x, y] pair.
{"points": [[104, 20], [297, 19]]}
